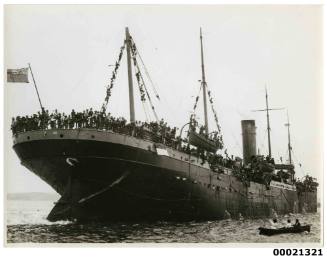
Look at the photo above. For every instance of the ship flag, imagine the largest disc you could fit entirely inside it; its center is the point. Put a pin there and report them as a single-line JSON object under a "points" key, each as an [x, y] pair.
{"points": [[21, 76], [17, 75]]}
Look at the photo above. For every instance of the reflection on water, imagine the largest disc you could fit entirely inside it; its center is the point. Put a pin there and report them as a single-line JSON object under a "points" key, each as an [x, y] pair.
{"points": [[26, 223]]}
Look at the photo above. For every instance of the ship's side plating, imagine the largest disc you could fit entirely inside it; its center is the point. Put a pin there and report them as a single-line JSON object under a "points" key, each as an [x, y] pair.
{"points": [[105, 175]]}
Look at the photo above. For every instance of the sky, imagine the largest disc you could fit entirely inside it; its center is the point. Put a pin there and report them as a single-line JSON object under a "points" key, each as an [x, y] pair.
{"points": [[246, 48]]}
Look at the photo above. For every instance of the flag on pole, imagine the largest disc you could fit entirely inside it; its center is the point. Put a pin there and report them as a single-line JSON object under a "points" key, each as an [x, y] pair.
{"points": [[17, 75]]}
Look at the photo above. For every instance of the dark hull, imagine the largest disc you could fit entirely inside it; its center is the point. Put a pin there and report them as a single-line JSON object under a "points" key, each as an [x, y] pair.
{"points": [[108, 176], [271, 232]]}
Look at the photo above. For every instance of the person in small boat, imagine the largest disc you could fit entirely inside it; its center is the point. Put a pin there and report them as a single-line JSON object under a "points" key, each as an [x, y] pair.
{"points": [[273, 224], [288, 223], [297, 223]]}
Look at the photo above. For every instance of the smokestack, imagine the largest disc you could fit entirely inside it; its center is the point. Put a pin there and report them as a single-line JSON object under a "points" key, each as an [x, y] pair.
{"points": [[249, 140]]}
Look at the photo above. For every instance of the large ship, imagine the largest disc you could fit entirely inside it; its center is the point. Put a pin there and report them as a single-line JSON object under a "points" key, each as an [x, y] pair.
{"points": [[122, 173]]}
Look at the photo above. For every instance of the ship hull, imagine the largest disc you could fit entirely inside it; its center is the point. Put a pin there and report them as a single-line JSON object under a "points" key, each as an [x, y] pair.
{"points": [[108, 176]]}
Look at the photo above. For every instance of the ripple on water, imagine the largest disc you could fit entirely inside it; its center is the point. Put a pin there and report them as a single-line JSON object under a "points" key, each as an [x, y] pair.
{"points": [[28, 224]]}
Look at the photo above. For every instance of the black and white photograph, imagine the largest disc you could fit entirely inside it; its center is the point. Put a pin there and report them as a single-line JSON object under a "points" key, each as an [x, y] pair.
{"points": [[163, 124]]}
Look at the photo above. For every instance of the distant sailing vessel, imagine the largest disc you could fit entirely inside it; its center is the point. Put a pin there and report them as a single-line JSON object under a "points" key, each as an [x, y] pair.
{"points": [[107, 175]]}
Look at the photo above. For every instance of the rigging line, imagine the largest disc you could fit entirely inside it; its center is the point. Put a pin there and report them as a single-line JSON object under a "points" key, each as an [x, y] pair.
{"points": [[197, 99], [193, 115], [146, 71], [145, 112], [167, 105], [150, 114], [141, 94], [213, 109], [141, 86], [148, 75], [146, 91], [138, 76], [113, 78], [150, 102]]}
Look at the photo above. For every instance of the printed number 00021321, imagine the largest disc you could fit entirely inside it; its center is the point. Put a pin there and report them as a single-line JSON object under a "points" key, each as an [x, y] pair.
{"points": [[297, 252]]}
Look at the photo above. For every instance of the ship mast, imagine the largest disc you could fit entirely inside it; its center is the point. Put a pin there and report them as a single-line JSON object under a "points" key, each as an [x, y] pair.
{"points": [[268, 126], [204, 86], [130, 79], [267, 109], [289, 140]]}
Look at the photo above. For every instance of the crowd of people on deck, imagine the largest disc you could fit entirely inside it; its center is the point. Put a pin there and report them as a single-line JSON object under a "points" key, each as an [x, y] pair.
{"points": [[158, 132], [309, 184]]}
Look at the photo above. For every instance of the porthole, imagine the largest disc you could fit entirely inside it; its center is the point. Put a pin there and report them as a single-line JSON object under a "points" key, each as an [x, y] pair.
{"points": [[61, 135], [92, 136], [28, 137]]}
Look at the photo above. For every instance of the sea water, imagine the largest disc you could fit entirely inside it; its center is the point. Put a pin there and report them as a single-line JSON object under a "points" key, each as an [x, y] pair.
{"points": [[26, 223]]}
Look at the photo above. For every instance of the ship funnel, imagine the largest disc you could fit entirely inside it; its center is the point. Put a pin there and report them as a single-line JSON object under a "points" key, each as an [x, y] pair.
{"points": [[249, 140]]}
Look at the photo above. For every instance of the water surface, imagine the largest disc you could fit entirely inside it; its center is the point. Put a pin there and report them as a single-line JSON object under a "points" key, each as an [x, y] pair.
{"points": [[26, 223]]}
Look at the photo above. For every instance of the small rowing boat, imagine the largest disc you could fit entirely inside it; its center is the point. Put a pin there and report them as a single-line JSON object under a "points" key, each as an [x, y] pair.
{"points": [[283, 230]]}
